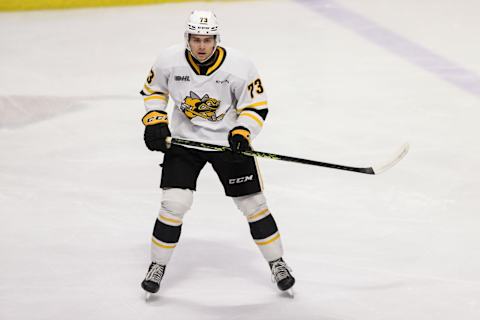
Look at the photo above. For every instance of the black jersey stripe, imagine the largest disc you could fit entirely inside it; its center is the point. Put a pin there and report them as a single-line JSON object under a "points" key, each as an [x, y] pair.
{"points": [[262, 112]]}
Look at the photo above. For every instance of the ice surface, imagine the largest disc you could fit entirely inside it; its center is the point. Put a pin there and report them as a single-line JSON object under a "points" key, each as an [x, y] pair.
{"points": [[79, 191]]}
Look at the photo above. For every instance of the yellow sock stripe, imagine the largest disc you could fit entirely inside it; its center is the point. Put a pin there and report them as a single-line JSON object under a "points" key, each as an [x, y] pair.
{"points": [[155, 97], [256, 216], [176, 222], [257, 119], [161, 245], [263, 243], [253, 105]]}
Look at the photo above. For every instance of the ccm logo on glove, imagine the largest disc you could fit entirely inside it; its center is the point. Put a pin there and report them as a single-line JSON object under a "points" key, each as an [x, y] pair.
{"points": [[156, 130], [155, 117]]}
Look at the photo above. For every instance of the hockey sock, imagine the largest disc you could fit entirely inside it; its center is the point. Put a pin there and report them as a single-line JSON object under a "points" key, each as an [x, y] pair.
{"points": [[265, 233], [166, 234]]}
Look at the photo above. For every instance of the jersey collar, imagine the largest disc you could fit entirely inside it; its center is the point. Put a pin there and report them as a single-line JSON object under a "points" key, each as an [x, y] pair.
{"points": [[208, 67]]}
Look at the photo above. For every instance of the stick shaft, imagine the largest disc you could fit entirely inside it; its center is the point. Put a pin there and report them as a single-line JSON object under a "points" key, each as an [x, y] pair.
{"points": [[185, 142]]}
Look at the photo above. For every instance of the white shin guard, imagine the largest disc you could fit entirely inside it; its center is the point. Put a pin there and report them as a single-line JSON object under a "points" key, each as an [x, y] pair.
{"points": [[175, 203]]}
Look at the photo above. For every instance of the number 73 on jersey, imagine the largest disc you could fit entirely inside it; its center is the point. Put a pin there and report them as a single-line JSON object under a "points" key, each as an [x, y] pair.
{"points": [[255, 88]]}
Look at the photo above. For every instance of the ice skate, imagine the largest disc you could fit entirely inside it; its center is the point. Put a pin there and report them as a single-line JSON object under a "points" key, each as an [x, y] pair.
{"points": [[154, 276], [282, 276]]}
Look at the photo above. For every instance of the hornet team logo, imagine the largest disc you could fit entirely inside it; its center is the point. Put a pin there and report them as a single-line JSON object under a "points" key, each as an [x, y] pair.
{"points": [[205, 107]]}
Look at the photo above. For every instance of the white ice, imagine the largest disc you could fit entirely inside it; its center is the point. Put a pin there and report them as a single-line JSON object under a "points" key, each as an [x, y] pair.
{"points": [[79, 191]]}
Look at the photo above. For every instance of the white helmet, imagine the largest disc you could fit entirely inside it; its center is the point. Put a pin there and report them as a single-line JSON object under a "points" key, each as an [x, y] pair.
{"points": [[202, 23]]}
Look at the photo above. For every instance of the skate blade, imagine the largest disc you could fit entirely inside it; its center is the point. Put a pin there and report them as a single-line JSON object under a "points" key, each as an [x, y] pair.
{"points": [[288, 293], [291, 293], [147, 296]]}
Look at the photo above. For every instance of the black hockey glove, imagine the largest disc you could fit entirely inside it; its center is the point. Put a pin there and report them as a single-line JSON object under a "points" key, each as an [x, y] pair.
{"points": [[156, 130], [239, 139]]}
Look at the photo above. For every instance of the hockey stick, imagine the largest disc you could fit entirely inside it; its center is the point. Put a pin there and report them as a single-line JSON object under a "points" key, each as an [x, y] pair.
{"points": [[366, 170]]}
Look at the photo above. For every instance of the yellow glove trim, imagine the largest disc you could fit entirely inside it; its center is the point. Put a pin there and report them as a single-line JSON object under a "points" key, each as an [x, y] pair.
{"points": [[242, 132], [154, 117]]}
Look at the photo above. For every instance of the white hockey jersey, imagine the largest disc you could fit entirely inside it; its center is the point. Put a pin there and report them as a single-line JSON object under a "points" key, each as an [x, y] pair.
{"points": [[208, 101]]}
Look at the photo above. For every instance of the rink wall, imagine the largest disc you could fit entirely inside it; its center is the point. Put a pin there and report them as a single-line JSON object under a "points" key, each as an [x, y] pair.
{"points": [[14, 5]]}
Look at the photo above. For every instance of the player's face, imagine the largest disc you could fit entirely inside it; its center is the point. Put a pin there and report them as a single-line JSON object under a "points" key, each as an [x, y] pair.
{"points": [[202, 46]]}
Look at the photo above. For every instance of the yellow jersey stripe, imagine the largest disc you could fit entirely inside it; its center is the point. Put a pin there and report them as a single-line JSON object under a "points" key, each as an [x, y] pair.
{"points": [[161, 245], [156, 97], [150, 91], [256, 215], [263, 243], [257, 120], [256, 104]]}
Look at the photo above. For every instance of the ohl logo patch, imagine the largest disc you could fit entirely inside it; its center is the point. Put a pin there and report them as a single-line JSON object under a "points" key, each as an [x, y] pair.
{"points": [[205, 107]]}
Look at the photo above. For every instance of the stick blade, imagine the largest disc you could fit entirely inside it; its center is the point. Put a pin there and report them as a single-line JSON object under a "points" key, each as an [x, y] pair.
{"points": [[398, 156]]}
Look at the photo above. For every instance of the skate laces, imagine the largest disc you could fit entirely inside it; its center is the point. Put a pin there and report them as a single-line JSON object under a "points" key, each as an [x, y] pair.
{"points": [[155, 273], [280, 271]]}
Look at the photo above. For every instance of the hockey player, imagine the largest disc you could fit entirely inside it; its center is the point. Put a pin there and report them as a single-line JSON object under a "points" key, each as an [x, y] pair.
{"points": [[219, 98]]}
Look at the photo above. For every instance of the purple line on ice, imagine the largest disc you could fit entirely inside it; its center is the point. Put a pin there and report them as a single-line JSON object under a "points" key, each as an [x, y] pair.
{"points": [[408, 50]]}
